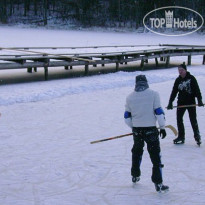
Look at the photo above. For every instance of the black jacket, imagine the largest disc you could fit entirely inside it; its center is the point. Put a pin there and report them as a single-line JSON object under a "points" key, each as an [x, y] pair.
{"points": [[187, 89]]}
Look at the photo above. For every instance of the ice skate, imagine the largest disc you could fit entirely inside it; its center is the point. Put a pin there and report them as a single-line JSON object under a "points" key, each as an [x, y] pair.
{"points": [[179, 140], [135, 179], [161, 188], [198, 139]]}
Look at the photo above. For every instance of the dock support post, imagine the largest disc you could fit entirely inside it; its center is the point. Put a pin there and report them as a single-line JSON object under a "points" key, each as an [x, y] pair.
{"points": [[203, 60], [29, 70], [103, 63], [46, 73], [189, 60], [142, 64], [126, 61], [86, 69], [156, 61], [167, 61], [117, 66]]}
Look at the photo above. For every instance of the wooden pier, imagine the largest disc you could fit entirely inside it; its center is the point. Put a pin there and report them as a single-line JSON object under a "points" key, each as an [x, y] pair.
{"points": [[28, 58]]}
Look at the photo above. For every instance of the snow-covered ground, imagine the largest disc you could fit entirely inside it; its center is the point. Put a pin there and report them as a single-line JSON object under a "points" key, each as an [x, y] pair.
{"points": [[46, 128]]}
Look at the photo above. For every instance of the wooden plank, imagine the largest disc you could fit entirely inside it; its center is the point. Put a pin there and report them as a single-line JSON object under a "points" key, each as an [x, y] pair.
{"points": [[61, 56], [82, 47], [181, 45], [21, 61], [43, 60]]}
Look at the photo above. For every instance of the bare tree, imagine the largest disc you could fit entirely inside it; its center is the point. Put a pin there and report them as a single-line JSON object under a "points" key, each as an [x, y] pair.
{"points": [[89, 12], [3, 11]]}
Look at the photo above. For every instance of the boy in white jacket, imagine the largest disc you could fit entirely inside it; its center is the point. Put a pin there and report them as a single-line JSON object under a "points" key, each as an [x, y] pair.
{"points": [[142, 110]]}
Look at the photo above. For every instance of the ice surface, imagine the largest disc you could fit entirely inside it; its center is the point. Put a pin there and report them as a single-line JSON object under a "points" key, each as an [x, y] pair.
{"points": [[46, 127]]}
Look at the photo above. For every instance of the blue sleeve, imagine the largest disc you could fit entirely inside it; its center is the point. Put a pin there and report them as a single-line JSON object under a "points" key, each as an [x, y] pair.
{"points": [[159, 111], [160, 117], [127, 114]]}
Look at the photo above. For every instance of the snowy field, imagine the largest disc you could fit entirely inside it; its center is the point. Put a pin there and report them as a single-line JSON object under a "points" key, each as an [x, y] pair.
{"points": [[46, 128]]}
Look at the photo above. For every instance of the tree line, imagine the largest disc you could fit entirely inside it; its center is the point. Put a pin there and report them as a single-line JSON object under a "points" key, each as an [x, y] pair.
{"points": [[104, 13]]}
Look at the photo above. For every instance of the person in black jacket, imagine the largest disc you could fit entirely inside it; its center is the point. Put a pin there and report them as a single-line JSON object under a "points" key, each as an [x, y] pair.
{"points": [[187, 88]]}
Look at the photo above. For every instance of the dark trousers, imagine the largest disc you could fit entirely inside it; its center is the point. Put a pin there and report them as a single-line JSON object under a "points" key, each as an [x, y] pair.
{"points": [[150, 135], [193, 120]]}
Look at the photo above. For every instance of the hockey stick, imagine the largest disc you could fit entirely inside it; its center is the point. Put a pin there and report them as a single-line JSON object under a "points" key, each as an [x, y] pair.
{"points": [[182, 106], [173, 129], [120, 136], [111, 138]]}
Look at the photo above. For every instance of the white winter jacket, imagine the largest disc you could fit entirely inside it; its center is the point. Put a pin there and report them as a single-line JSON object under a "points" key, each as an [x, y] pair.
{"points": [[144, 107]]}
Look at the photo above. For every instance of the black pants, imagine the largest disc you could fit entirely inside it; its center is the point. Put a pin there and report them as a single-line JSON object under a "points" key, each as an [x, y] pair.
{"points": [[150, 135], [193, 120]]}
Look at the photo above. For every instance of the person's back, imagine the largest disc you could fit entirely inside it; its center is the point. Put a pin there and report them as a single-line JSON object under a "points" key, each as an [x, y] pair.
{"points": [[142, 105]]}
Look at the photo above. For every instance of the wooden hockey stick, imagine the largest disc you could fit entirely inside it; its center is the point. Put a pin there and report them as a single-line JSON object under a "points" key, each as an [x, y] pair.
{"points": [[120, 136], [182, 106], [173, 129], [111, 138]]}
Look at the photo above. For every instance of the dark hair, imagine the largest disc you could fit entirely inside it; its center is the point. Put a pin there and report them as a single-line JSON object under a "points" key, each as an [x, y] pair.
{"points": [[183, 66]]}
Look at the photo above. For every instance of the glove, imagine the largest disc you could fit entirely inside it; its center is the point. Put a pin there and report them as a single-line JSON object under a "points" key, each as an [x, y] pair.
{"points": [[170, 106], [162, 133], [200, 103]]}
